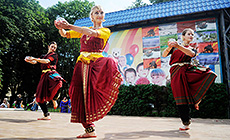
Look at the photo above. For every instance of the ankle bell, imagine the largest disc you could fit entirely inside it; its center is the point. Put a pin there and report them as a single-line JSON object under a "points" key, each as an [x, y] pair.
{"points": [[89, 129], [47, 114]]}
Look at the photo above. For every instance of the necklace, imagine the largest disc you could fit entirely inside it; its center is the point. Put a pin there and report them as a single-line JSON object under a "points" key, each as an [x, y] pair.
{"points": [[185, 44], [95, 28], [86, 38]]}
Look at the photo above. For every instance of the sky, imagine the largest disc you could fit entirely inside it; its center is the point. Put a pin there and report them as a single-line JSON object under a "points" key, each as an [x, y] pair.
{"points": [[108, 5]]}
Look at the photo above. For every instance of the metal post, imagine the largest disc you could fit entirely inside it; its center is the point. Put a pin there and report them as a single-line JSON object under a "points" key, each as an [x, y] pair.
{"points": [[225, 51]]}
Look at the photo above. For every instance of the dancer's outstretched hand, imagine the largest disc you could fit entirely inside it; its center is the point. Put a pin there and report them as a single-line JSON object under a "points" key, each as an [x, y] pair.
{"points": [[30, 59], [57, 25], [172, 44], [61, 24]]}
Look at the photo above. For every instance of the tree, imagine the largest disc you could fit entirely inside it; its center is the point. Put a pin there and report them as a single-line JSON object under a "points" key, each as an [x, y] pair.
{"points": [[20, 35], [158, 1], [140, 3], [137, 3]]}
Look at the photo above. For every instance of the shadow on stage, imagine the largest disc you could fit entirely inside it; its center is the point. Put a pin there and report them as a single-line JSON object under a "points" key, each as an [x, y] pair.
{"points": [[146, 134], [125, 135], [17, 120]]}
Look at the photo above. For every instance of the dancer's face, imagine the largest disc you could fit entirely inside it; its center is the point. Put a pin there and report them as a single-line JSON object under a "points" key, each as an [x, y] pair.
{"points": [[98, 15], [188, 37], [52, 48]]}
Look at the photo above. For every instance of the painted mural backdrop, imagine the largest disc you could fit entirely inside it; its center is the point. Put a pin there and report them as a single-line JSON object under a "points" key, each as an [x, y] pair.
{"points": [[138, 51]]}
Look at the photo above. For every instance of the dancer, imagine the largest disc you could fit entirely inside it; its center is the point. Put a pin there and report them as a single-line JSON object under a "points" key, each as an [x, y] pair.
{"points": [[96, 79], [189, 83], [50, 81]]}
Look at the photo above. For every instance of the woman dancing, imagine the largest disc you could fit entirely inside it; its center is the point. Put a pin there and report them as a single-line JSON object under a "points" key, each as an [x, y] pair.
{"points": [[96, 79], [50, 81], [189, 82]]}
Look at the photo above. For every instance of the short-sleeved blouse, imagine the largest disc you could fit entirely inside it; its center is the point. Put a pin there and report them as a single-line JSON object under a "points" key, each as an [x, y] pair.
{"points": [[91, 47], [98, 43], [53, 57]]}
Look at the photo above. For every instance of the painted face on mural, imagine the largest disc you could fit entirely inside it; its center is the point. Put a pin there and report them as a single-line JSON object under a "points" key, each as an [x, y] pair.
{"points": [[122, 61], [158, 79], [142, 72], [130, 77]]}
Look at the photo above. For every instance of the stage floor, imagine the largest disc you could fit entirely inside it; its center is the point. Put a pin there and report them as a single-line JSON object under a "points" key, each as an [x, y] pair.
{"points": [[16, 125]]}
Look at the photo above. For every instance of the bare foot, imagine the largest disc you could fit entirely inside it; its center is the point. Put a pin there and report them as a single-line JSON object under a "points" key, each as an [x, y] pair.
{"points": [[88, 135], [45, 118], [197, 105], [55, 104], [184, 128]]}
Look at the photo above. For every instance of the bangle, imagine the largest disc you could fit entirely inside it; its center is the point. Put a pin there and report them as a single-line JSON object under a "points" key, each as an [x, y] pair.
{"points": [[34, 62]]}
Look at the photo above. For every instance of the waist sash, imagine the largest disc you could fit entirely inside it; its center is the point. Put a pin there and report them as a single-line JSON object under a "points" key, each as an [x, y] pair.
{"points": [[45, 71], [180, 64], [85, 57]]}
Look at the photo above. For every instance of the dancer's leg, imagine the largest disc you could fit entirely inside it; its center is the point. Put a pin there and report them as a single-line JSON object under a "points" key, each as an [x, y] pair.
{"points": [[89, 131], [197, 105], [45, 112], [184, 115], [55, 105]]}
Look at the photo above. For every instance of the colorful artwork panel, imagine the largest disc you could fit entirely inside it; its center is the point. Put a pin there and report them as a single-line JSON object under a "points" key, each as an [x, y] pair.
{"points": [[152, 63], [151, 42], [167, 29], [153, 52], [183, 25], [150, 31], [208, 47], [205, 25]]}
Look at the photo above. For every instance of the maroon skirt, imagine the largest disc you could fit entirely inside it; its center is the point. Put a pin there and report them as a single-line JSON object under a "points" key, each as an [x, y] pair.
{"points": [[189, 85], [94, 89], [50, 82]]}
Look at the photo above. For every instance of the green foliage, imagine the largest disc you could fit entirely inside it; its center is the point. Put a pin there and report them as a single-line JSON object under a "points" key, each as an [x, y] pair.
{"points": [[215, 104], [140, 3], [137, 3], [164, 39], [1, 79], [20, 35], [51, 109], [138, 100], [158, 1]]}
